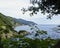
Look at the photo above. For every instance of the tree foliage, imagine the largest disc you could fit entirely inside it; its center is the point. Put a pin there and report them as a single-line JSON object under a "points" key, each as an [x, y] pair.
{"points": [[52, 7], [28, 43]]}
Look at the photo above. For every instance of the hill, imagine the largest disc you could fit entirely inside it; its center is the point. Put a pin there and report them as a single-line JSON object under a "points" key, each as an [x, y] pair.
{"points": [[6, 26], [25, 22], [6, 20]]}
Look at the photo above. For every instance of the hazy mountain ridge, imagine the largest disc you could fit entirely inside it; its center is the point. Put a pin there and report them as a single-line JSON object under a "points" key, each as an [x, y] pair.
{"points": [[6, 20], [25, 22]]}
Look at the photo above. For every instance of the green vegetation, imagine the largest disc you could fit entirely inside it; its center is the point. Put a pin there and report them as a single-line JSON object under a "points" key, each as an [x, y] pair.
{"points": [[9, 38], [23, 33], [6, 26], [6, 20], [21, 42]]}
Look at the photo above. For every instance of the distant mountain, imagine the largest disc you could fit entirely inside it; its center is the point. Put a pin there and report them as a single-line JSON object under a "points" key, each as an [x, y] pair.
{"points": [[6, 20], [25, 22]]}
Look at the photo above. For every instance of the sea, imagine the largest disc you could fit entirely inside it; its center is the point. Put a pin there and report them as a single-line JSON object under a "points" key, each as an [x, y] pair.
{"points": [[46, 27]]}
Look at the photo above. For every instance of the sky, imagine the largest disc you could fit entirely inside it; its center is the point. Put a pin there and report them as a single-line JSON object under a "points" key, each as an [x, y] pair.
{"points": [[13, 8]]}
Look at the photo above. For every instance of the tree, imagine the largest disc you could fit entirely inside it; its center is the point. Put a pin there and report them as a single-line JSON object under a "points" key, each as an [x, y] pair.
{"points": [[52, 7]]}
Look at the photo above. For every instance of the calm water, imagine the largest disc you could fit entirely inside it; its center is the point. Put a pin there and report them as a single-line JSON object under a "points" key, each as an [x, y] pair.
{"points": [[49, 28]]}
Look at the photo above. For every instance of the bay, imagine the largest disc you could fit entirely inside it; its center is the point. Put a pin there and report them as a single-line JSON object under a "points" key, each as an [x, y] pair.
{"points": [[49, 28]]}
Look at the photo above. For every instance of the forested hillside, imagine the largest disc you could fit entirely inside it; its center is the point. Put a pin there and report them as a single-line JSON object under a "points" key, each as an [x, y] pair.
{"points": [[6, 20], [6, 25]]}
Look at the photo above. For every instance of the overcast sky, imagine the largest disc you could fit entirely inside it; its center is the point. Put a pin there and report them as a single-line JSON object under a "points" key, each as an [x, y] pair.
{"points": [[13, 8]]}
